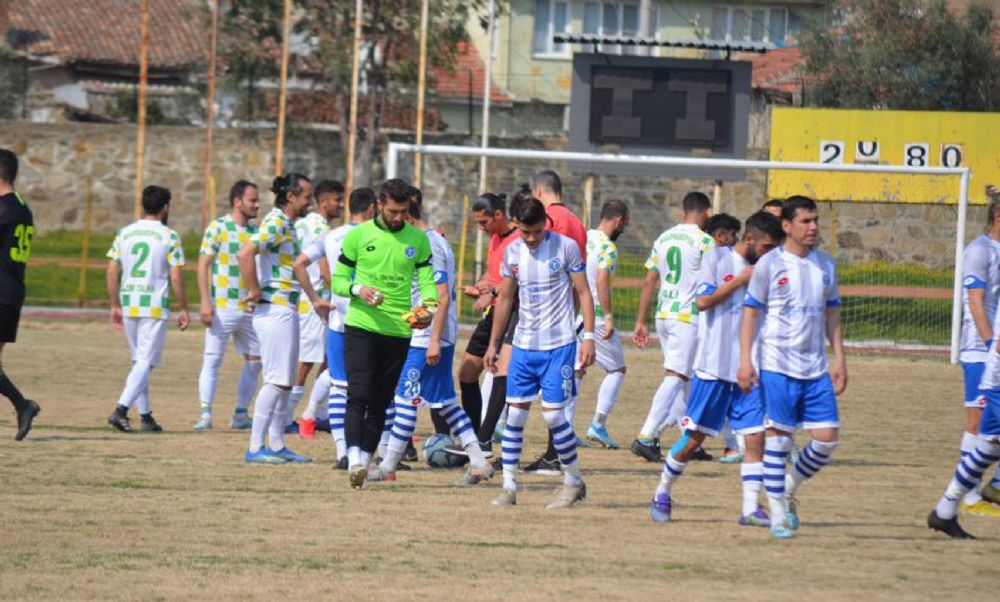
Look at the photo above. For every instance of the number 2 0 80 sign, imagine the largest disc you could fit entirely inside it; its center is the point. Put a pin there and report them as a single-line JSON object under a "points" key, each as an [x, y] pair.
{"points": [[905, 138]]}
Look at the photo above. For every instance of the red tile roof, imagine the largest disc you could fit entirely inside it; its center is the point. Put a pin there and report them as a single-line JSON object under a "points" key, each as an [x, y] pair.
{"points": [[781, 69], [455, 84], [107, 31]]}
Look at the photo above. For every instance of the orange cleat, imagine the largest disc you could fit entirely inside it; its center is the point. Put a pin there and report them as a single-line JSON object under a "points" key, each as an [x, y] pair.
{"points": [[307, 428]]}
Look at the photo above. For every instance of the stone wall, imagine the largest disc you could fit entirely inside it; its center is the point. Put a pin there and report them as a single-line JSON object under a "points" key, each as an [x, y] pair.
{"points": [[55, 159]]}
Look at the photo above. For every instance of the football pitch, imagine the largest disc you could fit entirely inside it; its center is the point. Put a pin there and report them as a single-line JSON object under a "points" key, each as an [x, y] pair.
{"points": [[88, 513]]}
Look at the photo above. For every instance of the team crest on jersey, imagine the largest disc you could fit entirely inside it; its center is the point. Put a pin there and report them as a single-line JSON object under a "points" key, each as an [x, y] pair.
{"points": [[413, 375], [566, 372], [969, 280], [555, 264], [727, 278], [410, 252]]}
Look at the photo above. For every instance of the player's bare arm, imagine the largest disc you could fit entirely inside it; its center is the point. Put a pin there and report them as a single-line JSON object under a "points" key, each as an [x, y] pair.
{"points": [[177, 283], [505, 301], [437, 325], [115, 304], [746, 377], [248, 270], [321, 306], [587, 352], [604, 298], [835, 334], [641, 333], [205, 288], [977, 307], [706, 302]]}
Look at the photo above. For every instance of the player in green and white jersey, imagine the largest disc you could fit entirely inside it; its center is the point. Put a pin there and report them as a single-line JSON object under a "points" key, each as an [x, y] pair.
{"points": [[274, 299], [223, 309], [674, 262], [312, 230], [146, 256]]}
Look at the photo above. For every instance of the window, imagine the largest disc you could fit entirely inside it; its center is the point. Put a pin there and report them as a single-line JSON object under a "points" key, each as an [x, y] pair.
{"points": [[551, 17], [749, 25], [616, 19]]}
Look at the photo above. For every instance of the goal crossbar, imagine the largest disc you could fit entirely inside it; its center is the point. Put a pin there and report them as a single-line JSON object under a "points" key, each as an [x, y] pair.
{"points": [[962, 173]]}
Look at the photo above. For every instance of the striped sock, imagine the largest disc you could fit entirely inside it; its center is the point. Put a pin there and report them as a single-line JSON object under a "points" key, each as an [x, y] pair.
{"points": [[511, 442], [968, 444], [336, 408], [814, 456], [995, 481], [672, 470], [564, 441], [403, 426], [968, 474], [461, 426], [753, 478], [390, 419], [775, 455]]}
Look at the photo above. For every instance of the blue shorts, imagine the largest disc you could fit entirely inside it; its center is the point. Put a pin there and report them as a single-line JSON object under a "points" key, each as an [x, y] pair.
{"points": [[335, 357], [712, 401], [423, 385], [989, 425], [550, 372], [973, 373], [795, 402]]}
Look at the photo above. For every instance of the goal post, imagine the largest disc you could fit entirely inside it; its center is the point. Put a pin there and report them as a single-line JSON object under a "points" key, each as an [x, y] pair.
{"points": [[962, 174]]}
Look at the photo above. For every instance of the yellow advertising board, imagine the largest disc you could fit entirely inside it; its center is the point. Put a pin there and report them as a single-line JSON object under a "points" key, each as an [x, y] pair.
{"points": [[911, 138]]}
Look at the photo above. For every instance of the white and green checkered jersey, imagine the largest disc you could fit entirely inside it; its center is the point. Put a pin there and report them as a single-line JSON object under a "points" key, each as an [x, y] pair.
{"points": [[146, 250], [278, 246], [677, 256], [222, 240], [602, 255], [311, 231]]}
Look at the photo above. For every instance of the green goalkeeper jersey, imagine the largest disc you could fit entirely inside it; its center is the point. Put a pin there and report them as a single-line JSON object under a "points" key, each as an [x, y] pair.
{"points": [[374, 256]]}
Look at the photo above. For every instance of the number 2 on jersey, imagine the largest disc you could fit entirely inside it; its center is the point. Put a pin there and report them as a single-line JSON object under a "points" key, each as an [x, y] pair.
{"points": [[674, 264], [142, 251], [20, 253]]}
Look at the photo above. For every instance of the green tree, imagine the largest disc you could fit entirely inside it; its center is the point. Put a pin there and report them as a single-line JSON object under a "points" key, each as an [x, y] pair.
{"points": [[903, 54]]}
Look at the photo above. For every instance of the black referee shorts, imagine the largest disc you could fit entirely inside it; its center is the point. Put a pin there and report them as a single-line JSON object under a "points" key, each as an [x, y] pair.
{"points": [[479, 342], [10, 317]]}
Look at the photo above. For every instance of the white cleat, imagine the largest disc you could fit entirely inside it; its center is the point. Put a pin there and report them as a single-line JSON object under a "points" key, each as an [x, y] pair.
{"points": [[507, 497], [568, 495]]}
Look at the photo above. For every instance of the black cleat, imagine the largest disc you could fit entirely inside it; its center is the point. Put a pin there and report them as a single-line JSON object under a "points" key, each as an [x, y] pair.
{"points": [[24, 417], [700, 455], [544, 466], [149, 424], [341, 464], [410, 455], [120, 422], [457, 450], [403, 467], [948, 526], [647, 451], [323, 426]]}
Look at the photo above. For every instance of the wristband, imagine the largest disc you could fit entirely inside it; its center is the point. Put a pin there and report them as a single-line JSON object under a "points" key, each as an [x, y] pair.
{"points": [[355, 289], [588, 336]]}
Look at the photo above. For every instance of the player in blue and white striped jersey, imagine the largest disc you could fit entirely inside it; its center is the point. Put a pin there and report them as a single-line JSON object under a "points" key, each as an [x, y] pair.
{"points": [[543, 268], [795, 288], [715, 396]]}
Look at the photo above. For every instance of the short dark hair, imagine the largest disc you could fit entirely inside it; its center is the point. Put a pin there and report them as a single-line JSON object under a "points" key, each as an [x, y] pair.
{"points": [[416, 203], [396, 190], [8, 166], [282, 186], [239, 189], [793, 203], [361, 200], [328, 187], [695, 202], [490, 203], [764, 223], [773, 203], [548, 181], [722, 221], [614, 208], [531, 212], [517, 202], [154, 199]]}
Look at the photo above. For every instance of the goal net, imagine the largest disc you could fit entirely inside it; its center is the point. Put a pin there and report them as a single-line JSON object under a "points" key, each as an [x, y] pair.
{"points": [[897, 263]]}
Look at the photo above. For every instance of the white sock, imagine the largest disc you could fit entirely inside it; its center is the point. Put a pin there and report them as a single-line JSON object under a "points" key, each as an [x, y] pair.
{"points": [[336, 407], [485, 389], [753, 478], [293, 402], [247, 384], [513, 440], [263, 414], [564, 440], [775, 455], [353, 456], [136, 382], [461, 427], [663, 400], [968, 444], [404, 424], [279, 420], [319, 394], [813, 457], [607, 396], [729, 437], [207, 380], [569, 410], [672, 470], [968, 475], [142, 399], [383, 442]]}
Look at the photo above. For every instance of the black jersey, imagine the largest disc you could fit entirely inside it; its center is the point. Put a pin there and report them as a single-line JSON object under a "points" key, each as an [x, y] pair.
{"points": [[17, 228]]}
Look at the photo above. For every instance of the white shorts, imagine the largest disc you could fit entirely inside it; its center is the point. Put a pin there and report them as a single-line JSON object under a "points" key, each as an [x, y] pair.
{"points": [[277, 328], [679, 341], [608, 353], [312, 338], [146, 337], [239, 324]]}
